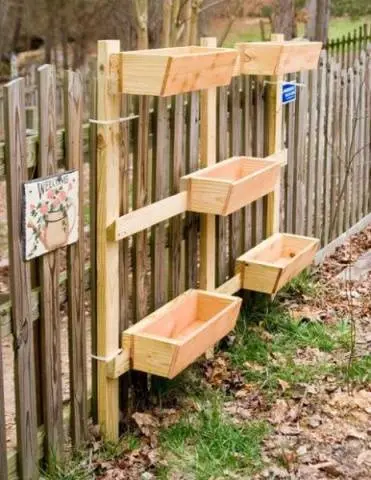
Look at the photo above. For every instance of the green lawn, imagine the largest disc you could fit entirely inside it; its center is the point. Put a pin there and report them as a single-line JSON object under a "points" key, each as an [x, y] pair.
{"points": [[338, 27]]}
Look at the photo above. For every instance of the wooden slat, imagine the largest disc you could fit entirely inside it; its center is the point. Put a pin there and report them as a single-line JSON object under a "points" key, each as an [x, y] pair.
{"points": [[20, 283], [355, 140], [318, 217], [108, 204], [175, 233], [3, 449], [159, 184], [75, 265], [49, 284], [300, 155], [207, 157], [236, 219], [222, 250], [342, 153], [349, 165], [93, 247], [312, 147], [192, 219], [335, 154], [247, 149], [290, 113], [328, 153], [361, 145], [367, 140]]}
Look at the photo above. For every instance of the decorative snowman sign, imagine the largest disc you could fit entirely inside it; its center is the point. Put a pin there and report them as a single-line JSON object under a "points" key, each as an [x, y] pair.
{"points": [[51, 213]]}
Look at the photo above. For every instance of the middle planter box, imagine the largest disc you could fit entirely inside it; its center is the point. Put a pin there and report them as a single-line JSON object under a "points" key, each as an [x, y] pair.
{"points": [[230, 185], [171, 338]]}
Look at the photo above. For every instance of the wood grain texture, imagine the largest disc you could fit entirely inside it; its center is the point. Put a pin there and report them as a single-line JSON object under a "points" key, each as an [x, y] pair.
{"points": [[236, 219], [222, 147], [312, 147], [175, 226], [3, 449], [20, 284], [192, 219], [160, 179], [75, 265], [274, 142], [207, 157], [108, 205], [49, 284]]}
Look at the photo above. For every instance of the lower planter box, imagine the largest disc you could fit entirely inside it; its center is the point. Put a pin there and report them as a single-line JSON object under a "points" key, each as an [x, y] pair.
{"points": [[274, 262], [232, 184], [174, 336]]}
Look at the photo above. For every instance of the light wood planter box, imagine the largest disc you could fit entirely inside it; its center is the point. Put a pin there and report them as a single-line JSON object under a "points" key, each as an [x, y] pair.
{"points": [[274, 262], [170, 71], [277, 58], [171, 338], [229, 185]]}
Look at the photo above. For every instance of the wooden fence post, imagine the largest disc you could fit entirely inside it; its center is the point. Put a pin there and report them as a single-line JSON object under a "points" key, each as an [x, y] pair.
{"points": [[274, 144], [108, 199], [49, 281], [75, 264], [20, 283]]}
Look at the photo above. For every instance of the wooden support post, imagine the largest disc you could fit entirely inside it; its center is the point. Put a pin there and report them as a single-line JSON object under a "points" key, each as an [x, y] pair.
{"points": [[207, 158], [274, 144], [108, 199]]}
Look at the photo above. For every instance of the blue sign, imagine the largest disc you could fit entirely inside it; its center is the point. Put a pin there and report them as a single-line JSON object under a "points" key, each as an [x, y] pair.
{"points": [[288, 93]]}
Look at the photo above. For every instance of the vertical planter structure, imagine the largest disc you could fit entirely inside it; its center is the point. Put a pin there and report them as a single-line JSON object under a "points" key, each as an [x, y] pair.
{"points": [[172, 337]]}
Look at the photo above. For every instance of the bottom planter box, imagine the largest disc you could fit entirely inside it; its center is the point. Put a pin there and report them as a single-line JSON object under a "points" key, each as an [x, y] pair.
{"points": [[174, 336], [274, 262]]}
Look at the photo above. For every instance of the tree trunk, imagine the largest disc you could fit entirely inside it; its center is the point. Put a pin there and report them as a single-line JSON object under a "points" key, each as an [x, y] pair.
{"points": [[195, 11], [284, 18], [166, 23], [141, 17], [319, 16]]}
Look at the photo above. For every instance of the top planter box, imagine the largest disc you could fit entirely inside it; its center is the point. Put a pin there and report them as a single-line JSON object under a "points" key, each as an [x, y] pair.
{"points": [[170, 71], [278, 58]]}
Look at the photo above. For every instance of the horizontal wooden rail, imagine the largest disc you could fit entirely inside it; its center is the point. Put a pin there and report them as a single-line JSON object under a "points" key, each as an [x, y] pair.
{"points": [[146, 217], [231, 286]]}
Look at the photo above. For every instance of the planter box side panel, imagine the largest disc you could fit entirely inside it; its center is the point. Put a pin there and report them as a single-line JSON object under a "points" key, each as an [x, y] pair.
{"points": [[259, 278], [143, 74], [299, 263], [259, 59], [186, 74], [152, 355], [207, 196], [251, 189], [297, 57], [211, 333]]}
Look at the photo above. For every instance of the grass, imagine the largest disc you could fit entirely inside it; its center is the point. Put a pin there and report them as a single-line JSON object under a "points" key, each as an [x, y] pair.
{"points": [[208, 445], [338, 27]]}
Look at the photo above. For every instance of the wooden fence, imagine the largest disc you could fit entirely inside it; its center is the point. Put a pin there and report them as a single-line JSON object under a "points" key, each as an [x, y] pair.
{"points": [[46, 343], [347, 48]]}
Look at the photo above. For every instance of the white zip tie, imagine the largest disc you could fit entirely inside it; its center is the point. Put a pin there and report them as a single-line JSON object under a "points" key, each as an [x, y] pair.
{"points": [[281, 82], [111, 122], [107, 359]]}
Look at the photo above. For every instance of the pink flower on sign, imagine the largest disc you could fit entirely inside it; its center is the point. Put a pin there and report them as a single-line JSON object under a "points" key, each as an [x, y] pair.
{"points": [[62, 196], [50, 194], [44, 209], [70, 186], [56, 203]]}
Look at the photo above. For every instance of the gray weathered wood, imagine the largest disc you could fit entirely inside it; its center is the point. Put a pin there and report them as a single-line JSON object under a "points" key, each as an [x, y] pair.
{"points": [[247, 118], [75, 265], [159, 182], [3, 449], [222, 149], [192, 219], [20, 283], [49, 284], [312, 147], [175, 226], [342, 193]]}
